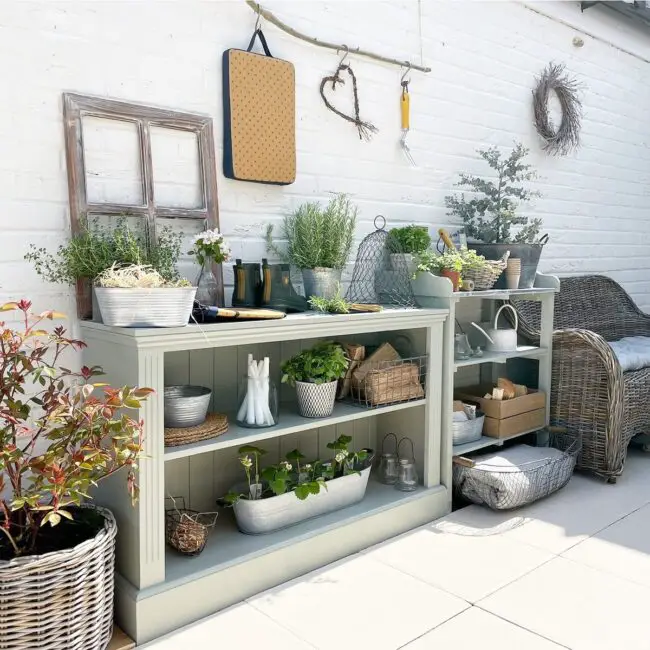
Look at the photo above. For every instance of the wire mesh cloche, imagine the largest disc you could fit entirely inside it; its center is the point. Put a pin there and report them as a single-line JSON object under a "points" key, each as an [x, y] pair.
{"points": [[381, 273]]}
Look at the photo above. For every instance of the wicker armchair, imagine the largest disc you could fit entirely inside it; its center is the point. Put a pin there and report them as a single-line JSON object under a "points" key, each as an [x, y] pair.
{"points": [[590, 395]]}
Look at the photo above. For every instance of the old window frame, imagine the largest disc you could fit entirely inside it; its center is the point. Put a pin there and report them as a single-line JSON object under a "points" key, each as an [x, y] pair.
{"points": [[76, 107]]}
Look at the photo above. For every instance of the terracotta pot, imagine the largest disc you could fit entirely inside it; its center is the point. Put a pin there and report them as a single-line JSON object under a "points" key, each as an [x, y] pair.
{"points": [[454, 276]]}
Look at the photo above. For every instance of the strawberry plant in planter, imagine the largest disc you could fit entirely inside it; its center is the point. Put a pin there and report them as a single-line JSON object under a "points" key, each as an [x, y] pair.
{"points": [[61, 434], [292, 491]]}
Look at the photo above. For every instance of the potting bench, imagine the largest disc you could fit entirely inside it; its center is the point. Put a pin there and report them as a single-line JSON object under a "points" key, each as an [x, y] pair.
{"points": [[159, 590]]}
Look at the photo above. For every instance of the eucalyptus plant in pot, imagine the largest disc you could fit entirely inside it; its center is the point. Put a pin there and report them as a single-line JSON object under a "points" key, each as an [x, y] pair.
{"points": [[405, 244], [95, 248], [315, 374], [491, 221], [318, 242], [293, 490], [61, 434]]}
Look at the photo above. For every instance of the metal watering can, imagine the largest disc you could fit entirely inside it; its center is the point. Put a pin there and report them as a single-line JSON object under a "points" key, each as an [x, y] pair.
{"points": [[501, 340]]}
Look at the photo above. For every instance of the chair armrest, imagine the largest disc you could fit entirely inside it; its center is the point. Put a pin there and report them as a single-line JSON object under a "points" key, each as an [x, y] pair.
{"points": [[590, 348]]}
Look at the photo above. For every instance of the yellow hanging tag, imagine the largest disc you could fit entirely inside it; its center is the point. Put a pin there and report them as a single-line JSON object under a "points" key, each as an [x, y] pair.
{"points": [[405, 106]]}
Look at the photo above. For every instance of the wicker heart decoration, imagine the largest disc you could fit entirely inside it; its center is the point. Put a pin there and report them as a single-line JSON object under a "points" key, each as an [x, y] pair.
{"points": [[366, 129]]}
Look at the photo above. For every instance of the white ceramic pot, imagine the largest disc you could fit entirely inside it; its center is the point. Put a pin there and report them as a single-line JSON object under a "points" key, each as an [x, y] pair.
{"points": [[166, 307], [316, 400], [267, 515]]}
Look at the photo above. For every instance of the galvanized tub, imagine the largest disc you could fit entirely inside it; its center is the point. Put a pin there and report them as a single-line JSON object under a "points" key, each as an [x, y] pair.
{"points": [[321, 282], [186, 406], [259, 516], [167, 307]]}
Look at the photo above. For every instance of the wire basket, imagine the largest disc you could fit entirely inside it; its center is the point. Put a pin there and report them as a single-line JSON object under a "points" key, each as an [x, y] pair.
{"points": [[467, 431], [389, 382], [186, 531], [518, 475], [485, 276]]}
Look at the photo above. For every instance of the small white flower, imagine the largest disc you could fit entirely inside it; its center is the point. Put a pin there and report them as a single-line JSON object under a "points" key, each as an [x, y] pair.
{"points": [[307, 467], [246, 461], [286, 465], [340, 457]]}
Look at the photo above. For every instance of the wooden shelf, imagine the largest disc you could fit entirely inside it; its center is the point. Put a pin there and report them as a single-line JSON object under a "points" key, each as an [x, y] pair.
{"points": [[290, 422], [522, 351], [227, 546], [486, 441]]}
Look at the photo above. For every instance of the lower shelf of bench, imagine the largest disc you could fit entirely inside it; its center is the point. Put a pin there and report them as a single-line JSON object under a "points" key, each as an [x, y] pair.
{"points": [[234, 566]]}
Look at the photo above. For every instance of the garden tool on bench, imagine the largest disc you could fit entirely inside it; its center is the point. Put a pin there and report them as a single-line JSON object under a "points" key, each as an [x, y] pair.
{"points": [[405, 112], [278, 291]]}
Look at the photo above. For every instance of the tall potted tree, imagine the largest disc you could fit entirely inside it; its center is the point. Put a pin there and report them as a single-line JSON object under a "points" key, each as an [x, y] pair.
{"points": [[490, 217], [60, 434], [319, 241]]}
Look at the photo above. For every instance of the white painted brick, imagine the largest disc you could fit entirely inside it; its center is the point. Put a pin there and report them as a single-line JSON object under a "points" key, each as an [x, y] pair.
{"points": [[484, 57]]}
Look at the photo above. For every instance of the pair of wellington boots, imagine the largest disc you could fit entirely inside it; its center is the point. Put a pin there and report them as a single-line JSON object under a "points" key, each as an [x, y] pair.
{"points": [[267, 286]]}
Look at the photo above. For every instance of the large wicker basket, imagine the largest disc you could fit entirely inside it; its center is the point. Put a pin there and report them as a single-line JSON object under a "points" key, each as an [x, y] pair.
{"points": [[61, 600], [485, 277]]}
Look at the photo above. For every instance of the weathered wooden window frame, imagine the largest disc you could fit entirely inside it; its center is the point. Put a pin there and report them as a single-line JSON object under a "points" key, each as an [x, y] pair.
{"points": [[76, 107]]}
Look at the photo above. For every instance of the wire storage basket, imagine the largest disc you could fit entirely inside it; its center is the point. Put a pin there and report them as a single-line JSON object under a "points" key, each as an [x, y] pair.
{"points": [[518, 475], [187, 530], [389, 382]]}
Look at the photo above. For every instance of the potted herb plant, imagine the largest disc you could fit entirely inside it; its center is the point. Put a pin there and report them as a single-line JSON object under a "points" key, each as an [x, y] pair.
{"points": [[405, 244], [491, 219], [315, 374], [318, 242], [97, 247], [138, 296], [61, 434], [281, 495], [210, 248], [448, 264]]}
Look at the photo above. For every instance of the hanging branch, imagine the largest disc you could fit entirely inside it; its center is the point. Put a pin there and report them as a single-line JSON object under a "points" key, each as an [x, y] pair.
{"points": [[273, 19]]}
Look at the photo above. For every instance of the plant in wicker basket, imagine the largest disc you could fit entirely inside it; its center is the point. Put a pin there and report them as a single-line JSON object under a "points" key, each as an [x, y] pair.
{"points": [[61, 434]]}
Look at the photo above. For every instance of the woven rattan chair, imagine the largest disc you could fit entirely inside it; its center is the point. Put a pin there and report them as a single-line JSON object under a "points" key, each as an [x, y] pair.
{"points": [[590, 395]]}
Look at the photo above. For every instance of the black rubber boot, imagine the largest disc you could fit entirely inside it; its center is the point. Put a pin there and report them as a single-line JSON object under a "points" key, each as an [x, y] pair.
{"points": [[277, 290], [248, 285]]}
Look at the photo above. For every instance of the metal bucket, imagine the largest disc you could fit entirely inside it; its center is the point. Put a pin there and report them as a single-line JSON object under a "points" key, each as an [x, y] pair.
{"points": [[255, 517], [529, 255], [320, 282], [169, 307], [186, 406]]}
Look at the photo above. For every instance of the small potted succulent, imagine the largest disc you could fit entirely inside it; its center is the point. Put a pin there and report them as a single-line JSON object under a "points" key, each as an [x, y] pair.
{"points": [[315, 374], [281, 495], [405, 244], [210, 248], [138, 296], [61, 434], [319, 241], [97, 247]]}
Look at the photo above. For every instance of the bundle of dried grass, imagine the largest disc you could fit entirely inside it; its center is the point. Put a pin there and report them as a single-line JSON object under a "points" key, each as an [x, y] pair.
{"points": [[136, 276]]}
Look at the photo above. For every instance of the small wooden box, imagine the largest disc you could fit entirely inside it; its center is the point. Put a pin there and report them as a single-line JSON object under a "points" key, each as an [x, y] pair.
{"points": [[506, 418]]}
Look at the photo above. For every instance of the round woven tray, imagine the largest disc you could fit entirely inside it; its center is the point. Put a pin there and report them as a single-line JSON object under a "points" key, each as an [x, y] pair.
{"points": [[215, 424]]}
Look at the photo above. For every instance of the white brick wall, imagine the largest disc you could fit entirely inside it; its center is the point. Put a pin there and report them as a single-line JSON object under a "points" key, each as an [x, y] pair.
{"points": [[484, 56]]}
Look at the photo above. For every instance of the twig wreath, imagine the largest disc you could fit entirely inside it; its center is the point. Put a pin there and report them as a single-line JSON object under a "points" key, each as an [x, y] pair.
{"points": [[366, 129], [560, 141]]}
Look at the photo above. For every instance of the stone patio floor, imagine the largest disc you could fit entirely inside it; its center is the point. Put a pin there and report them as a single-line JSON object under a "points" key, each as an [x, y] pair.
{"points": [[571, 571]]}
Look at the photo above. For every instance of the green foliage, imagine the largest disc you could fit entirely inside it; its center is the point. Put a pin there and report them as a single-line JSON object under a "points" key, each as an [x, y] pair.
{"points": [[337, 304], [291, 476], [317, 237], [409, 239], [96, 248], [492, 216], [321, 364], [455, 260], [86, 426]]}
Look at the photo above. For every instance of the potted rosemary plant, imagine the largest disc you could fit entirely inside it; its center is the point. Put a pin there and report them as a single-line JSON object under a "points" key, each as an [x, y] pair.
{"points": [[138, 296], [315, 374], [491, 221], [281, 495], [318, 242], [96, 248], [58, 439]]}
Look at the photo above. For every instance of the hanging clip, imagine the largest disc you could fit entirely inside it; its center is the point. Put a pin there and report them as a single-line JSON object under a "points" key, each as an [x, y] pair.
{"points": [[258, 22]]}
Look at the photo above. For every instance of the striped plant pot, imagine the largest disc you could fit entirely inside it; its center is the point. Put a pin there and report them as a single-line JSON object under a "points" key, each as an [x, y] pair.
{"points": [[316, 400], [61, 600]]}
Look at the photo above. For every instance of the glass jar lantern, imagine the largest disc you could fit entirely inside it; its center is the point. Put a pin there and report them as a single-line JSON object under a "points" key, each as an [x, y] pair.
{"points": [[388, 464], [407, 477]]}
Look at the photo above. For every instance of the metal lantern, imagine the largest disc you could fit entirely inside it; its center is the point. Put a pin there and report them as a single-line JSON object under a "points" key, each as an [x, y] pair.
{"points": [[407, 477], [388, 464]]}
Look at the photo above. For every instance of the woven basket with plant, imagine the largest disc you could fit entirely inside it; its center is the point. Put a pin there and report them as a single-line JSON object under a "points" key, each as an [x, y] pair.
{"points": [[484, 273]]}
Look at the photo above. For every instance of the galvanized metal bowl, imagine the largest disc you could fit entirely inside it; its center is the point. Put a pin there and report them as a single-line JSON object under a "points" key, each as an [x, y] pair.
{"points": [[186, 406]]}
